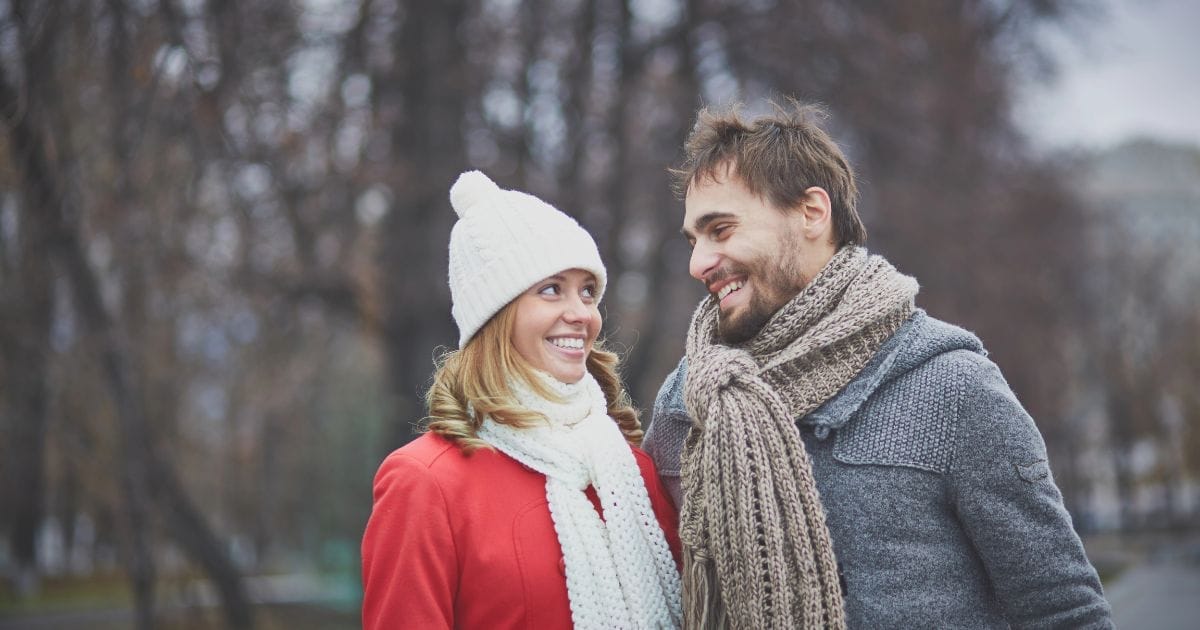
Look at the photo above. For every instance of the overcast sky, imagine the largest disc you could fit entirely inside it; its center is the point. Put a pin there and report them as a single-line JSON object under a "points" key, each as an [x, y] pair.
{"points": [[1137, 72]]}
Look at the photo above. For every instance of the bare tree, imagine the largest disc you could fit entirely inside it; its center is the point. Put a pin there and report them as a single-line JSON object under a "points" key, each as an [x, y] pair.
{"points": [[230, 221]]}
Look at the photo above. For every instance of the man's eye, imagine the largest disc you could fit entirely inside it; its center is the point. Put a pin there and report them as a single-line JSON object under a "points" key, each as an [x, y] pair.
{"points": [[720, 230]]}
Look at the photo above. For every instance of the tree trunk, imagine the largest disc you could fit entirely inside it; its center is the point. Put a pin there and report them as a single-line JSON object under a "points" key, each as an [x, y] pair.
{"points": [[144, 477], [428, 143], [27, 298], [1121, 439]]}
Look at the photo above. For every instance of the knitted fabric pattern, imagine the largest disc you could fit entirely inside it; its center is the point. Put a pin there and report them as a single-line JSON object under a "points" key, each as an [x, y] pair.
{"points": [[620, 572], [757, 551], [903, 433]]}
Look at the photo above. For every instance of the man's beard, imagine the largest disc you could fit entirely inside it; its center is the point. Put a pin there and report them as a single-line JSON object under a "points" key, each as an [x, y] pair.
{"points": [[774, 282]]}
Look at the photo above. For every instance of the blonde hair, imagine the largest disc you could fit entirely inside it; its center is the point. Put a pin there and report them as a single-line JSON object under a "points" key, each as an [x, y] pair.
{"points": [[477, 377]]}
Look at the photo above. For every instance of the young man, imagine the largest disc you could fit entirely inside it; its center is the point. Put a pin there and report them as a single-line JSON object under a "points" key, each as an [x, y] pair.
{"points": [[840, 457]]}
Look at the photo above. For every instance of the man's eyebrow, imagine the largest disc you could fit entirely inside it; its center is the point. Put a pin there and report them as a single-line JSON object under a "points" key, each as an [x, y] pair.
{"points": [[704, 220]]}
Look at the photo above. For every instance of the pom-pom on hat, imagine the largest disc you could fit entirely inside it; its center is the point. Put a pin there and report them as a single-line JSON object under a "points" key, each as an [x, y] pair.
{"points": [[504, 242]]}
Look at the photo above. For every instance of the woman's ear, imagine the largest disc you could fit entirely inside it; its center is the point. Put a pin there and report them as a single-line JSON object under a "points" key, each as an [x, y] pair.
{"points": [[817, 213]]}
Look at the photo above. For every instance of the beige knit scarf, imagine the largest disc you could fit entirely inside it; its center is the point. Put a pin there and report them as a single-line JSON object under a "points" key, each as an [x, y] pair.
{"points": [[757, 552]]}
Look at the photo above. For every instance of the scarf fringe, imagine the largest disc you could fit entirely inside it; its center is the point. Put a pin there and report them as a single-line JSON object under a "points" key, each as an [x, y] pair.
{"points": [[702, 607]]}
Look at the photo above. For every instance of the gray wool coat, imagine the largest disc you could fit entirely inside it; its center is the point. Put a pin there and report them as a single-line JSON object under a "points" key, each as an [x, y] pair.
{"points": [[936, 489]]}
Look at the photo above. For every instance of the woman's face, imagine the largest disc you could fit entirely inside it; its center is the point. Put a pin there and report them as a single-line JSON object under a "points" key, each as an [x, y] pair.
{"points": [[556, 323]]}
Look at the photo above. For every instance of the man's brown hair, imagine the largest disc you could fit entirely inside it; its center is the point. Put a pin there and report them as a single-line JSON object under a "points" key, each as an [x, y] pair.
{"points": [[778, 157]]}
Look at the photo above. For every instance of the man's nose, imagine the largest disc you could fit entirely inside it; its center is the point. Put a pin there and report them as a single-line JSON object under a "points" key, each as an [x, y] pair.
{"points": [[703, 262]]}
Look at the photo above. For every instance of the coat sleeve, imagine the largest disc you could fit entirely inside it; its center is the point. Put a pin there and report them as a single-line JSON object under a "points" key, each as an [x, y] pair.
{"points": [[1013, 512], [409, 561], [669, 426]]}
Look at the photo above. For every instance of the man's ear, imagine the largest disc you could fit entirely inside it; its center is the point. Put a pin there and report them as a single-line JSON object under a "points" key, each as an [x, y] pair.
{"points": [[817, 212]]}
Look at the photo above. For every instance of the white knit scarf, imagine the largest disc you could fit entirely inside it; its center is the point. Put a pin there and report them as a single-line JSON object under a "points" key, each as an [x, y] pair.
{"points": [[620, 572]]}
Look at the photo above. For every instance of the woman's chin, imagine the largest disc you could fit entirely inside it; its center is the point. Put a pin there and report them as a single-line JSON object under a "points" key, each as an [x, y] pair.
{"points": [[568, 374]]}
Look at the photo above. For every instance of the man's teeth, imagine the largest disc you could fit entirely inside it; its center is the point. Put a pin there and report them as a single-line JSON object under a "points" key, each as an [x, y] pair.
{"points": [[729, 288], [568, 342]]}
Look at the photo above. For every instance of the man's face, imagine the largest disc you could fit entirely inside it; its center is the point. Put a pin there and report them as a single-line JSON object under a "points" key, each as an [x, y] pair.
{"points": [[747, 252]]}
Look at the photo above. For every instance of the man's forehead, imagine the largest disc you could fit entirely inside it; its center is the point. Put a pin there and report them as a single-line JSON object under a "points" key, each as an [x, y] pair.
{"points": [[712, 195]]}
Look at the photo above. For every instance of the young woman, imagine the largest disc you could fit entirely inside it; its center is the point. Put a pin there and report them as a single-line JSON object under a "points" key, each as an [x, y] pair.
{"points": [[526, 504]]}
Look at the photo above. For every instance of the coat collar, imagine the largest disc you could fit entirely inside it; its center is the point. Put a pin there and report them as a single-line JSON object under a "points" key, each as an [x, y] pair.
{"points": [[919, 339]]}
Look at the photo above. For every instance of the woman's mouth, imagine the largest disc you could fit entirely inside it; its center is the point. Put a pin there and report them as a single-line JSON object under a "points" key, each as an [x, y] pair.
{"points": [[566, 343]]}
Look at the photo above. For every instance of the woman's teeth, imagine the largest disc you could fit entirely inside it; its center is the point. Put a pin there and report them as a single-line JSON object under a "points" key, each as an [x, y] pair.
{"points": [[568, 342], [729, 288]]}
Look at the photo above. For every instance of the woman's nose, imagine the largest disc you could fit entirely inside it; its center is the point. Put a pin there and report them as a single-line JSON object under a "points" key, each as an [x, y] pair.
{"points": [[576, 310]]}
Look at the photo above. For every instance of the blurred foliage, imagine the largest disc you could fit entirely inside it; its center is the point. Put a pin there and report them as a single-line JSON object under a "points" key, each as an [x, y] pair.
{"points": [[223, 232]]}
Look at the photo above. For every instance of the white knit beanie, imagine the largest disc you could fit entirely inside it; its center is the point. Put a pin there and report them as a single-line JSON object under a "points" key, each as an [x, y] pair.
{"points": [[504, 242]]}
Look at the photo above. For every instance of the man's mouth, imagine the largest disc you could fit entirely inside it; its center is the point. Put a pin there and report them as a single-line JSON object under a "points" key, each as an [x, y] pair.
{"points": [[729, 288]]}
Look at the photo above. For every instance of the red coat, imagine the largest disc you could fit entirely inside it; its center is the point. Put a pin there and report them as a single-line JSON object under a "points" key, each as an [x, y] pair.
{"points": [[467, 541]]}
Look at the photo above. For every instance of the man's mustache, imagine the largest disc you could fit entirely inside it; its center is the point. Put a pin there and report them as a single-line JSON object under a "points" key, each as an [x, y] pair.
{"points": [[723, 273]]}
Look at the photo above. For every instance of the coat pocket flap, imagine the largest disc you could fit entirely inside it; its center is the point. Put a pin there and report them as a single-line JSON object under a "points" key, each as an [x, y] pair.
{"points": [[1034, 471]]}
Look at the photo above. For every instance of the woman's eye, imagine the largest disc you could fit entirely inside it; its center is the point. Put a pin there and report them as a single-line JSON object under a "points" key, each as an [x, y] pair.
{"points": [[589, 291], [549, 289]]}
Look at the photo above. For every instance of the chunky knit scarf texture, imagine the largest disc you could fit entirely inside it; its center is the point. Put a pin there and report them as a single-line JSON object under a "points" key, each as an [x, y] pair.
{"points": [[620, 572], [757, 552]]}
